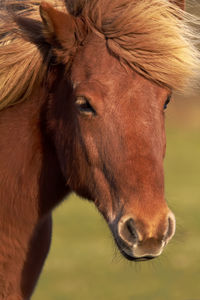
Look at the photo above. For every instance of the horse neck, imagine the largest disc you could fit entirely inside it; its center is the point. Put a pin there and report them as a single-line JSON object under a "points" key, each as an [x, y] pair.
{"points": [[30, 175]]}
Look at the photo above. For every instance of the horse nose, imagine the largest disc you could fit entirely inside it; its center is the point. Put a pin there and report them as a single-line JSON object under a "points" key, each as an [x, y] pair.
{"points": [[138, 240]]}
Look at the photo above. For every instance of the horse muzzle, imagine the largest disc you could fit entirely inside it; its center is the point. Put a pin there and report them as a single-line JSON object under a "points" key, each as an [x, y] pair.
{"points": [[141, 241]]}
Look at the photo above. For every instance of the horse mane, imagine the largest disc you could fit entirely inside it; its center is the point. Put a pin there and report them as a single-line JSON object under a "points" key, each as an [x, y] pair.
{"points": [[154, 37], [24, 54]]}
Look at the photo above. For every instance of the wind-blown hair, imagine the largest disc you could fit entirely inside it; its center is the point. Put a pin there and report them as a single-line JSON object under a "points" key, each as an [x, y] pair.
{"points": [[154, 37]]}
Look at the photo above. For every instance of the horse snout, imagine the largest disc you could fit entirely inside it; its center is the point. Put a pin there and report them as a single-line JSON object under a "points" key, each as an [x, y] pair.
{"points": [[139, 240]]}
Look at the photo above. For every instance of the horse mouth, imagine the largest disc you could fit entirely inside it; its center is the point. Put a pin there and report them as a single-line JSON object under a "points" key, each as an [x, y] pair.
{"points": [[136, 259], [128, 253]]}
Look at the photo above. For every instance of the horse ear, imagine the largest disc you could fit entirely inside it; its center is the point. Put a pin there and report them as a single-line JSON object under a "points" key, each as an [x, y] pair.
{"points": [[180, 3], [58, 26]]}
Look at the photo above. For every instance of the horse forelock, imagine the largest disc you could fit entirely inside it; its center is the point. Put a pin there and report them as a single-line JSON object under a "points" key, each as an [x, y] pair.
{"points": [[154, 37]]}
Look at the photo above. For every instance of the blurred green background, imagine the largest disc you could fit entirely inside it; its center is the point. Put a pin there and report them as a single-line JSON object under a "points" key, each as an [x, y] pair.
{"points": [[84, 262]]}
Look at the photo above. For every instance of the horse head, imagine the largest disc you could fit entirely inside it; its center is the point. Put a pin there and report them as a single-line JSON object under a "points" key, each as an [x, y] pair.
{"points": [[107, 120]]}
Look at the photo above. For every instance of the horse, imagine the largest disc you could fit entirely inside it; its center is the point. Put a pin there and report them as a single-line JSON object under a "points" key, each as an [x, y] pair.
{"points": [[83, 90]]}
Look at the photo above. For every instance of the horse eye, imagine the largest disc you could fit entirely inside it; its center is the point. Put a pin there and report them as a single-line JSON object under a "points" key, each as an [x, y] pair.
{"points": [[84, 106], [167, 102]]}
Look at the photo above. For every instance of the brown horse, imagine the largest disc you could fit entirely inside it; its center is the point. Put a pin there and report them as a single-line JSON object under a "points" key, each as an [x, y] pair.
{"points": [[82, 97]]}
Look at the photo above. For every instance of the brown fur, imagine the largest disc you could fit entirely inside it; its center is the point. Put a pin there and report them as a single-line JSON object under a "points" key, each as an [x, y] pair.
{"points": [[51, 145]]}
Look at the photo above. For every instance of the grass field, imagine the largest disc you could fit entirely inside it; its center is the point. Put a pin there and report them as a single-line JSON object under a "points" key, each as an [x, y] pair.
{"points": [[83, 261]]}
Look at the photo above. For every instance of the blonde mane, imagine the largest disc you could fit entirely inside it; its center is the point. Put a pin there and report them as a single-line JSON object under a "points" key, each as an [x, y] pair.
{"points": [[154, 37]]}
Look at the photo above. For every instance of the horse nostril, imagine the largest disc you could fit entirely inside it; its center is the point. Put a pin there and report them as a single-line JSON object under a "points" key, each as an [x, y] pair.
{"points": [[128, 232], [171, 227]]}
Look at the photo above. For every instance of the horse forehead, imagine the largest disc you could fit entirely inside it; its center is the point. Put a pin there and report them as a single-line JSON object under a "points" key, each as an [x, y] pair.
{"points": [[93, 61]]}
